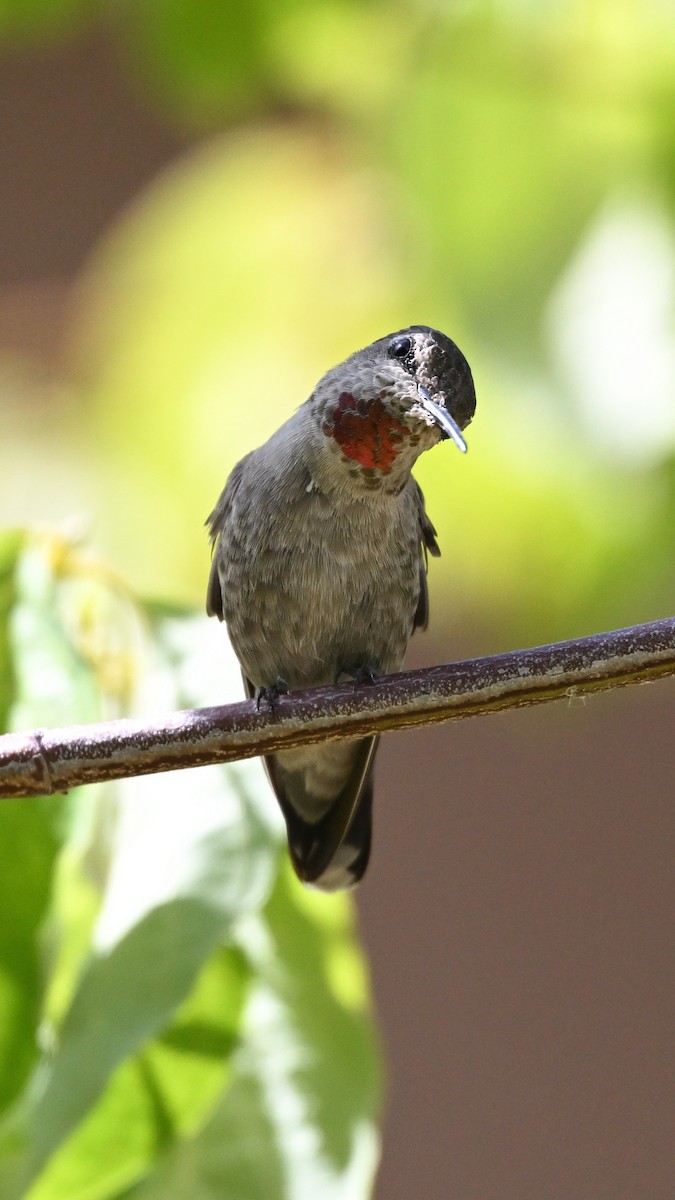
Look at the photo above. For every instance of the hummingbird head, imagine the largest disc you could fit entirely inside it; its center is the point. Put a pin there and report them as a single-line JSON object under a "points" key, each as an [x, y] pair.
{"points": [[389, 402]]}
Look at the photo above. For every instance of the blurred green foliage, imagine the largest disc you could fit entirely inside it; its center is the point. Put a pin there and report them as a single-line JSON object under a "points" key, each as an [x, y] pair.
{"points": [[163, 976], [26, 22], [505, 171], [357, 167]]}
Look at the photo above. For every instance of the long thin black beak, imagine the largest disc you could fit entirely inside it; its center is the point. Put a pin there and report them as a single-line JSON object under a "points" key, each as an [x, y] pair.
{"points": [[442, 417]]}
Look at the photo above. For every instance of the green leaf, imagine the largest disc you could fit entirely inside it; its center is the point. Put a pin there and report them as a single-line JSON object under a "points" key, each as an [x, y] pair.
{"points": [[31, 832], [163, 1092], [175, 888], [11, 544], [300, 1117], [29, 843], [190, 1024], [235, 1154], [125, 998], [323, 994]]}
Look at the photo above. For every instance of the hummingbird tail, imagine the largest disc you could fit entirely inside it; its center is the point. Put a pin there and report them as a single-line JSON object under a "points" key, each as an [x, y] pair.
{"points": [[330, 852]]}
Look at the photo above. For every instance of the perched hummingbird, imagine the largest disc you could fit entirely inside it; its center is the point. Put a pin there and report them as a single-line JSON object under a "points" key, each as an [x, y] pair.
{"points": [[320, 542]]}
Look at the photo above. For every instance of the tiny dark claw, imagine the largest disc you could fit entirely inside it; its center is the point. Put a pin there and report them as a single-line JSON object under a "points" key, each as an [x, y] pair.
{"points": [[360, 674], [366, 675], [271, 693]]}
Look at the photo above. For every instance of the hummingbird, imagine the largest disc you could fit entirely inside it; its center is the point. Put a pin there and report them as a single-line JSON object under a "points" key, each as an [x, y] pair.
{"points": [[320, 541]]}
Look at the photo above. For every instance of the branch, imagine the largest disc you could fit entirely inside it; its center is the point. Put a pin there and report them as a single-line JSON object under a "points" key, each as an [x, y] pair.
{"points": [[55, 760]]}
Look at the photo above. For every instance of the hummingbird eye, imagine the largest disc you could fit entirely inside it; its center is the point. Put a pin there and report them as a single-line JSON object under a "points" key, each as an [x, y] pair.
{"points": [[400, 347]]}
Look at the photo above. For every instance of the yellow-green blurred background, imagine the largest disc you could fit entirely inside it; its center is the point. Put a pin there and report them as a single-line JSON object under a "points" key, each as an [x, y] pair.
{"points": [[203, 205]]}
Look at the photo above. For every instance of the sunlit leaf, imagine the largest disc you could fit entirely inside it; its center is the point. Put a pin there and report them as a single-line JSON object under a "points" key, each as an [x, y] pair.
{"points": [[160, 1094], [300, 1117], [31, 830], [173, 892], [11, 543]]}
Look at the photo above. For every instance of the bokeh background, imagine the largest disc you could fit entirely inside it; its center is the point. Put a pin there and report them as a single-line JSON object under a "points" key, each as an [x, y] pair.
{"points": [[203, 205]]}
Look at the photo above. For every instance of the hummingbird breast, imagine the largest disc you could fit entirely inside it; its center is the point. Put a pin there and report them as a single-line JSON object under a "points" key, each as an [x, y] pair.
{"points": [[315, 584]]}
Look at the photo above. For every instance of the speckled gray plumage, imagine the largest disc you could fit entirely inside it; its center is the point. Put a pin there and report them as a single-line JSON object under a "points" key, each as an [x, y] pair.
{"points": [[319, 567]]}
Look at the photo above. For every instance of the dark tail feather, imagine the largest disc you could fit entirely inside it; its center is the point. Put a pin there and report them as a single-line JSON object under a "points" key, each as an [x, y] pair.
{"points": [[333, 852]]}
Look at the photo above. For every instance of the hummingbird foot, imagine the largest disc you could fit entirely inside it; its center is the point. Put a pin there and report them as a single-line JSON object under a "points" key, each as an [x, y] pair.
{"points": [[367, 674], [364, 673], [271, 693]]}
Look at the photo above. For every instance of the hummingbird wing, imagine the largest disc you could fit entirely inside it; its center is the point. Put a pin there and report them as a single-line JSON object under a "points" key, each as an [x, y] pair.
{"points": [[216, 522], [428, 545], [214, 593], [332, 851]]}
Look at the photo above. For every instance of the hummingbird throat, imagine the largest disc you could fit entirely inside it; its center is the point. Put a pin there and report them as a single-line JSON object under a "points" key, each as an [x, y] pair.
{"points": [[366, 431]]}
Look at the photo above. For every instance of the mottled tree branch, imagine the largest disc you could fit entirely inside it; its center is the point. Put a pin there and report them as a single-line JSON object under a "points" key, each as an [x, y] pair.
{"points": [[56, 760]]}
